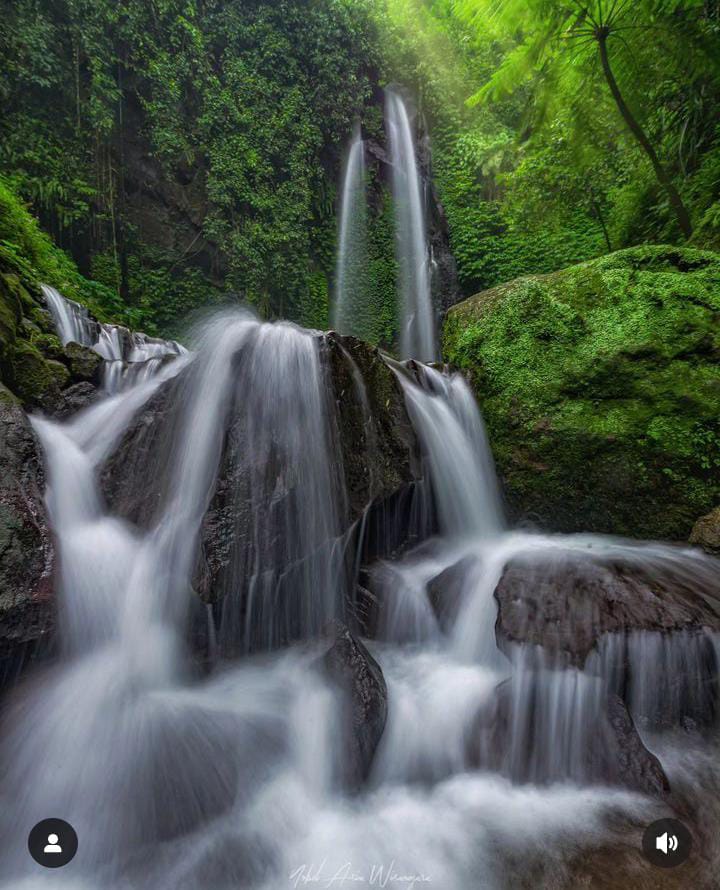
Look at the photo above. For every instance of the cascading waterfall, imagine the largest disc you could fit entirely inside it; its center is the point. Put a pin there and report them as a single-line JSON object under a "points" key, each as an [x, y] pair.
{"points": [[350, 309], [130, 358], [175, 781], [417, 318], [286, 578]]}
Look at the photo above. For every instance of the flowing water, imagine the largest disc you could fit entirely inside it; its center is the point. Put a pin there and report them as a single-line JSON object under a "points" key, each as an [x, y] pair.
{"points": [[418, 338], [130, 358], [351, 312], [179, 781]]}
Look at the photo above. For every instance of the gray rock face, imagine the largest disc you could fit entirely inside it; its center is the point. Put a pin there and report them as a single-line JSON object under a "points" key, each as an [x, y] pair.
{"points": [[74, 399], [565, 603], [359, 679], [26, 553]]}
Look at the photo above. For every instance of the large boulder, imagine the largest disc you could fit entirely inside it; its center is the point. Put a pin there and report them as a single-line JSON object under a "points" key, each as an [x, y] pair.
{"points": [[358, 678], [566, 601], [26, 552], [600, 386], [616, 612]]}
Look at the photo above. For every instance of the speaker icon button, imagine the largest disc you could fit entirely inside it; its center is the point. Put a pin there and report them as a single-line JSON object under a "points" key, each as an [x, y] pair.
{"points": [[667, 843]]}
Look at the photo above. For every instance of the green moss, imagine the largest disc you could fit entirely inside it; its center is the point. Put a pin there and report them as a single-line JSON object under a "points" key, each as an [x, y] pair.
{"points": [[84, 363], [34, 378], [600, 385]]}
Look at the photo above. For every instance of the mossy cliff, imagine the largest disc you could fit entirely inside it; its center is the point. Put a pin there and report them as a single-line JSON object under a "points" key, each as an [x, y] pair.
{"points": [[600, 386], [33, 364]]}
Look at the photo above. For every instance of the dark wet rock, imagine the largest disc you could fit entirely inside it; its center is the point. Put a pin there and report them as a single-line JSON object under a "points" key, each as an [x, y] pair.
{"points": [[706, 532], [83, 363], [26, 553], [378, 446], [74, 399], [621, 755], [530, 732], [565, 601], [359, 679], [445, 591], [376, 459], [136, 478]]}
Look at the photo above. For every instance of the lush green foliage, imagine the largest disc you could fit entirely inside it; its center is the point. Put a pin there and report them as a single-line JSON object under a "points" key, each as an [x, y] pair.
{"points": [[601, 389], [536, 167], [29, 253], [229, 116], [183, 151]]}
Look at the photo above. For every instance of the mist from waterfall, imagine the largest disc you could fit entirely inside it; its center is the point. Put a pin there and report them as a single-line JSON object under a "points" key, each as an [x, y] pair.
{"points": [[350, 313], [418, 338]]}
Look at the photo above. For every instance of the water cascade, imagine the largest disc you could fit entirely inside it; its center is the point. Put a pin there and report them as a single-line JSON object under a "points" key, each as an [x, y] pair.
{"points": [[497, 760], [417, 317], [350, 309], [129, 357]]}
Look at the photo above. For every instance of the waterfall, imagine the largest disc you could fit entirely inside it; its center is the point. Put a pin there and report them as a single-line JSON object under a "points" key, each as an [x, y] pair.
{"points": [[130, 358], [461, 465], [490, 767], [350, 310], [286, 575], [417, 316]]}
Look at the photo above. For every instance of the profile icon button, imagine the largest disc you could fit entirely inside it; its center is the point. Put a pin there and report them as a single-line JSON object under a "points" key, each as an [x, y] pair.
{"points": [[53, 843]]}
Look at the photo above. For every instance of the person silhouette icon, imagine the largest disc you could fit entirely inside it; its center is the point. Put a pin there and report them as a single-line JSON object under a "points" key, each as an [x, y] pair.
{"points": [[52, 845]]}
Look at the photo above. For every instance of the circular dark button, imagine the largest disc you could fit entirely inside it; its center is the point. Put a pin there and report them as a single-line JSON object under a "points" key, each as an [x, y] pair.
{"points": [[53, 843], [666, 843]]}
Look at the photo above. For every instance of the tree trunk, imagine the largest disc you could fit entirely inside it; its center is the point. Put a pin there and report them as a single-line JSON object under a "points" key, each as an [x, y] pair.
{"points": [[601, 218], [681, 213]]}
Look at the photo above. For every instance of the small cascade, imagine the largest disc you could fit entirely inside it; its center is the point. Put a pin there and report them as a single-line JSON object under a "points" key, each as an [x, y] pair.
{"points": [[350, 309], [72, 320], [461, 465], [418, 338], [130, 358], [667, 679]]}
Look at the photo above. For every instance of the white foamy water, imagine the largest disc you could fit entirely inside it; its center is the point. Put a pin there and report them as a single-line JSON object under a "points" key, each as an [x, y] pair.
{"points": [[350, 302], [130, 358], [418, 336]]}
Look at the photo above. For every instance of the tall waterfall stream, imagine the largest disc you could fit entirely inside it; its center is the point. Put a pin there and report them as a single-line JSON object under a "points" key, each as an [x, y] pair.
{"points": [[176, 780]]}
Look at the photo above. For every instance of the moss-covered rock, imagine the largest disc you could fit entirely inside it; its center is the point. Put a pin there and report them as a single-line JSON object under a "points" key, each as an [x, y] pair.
{"points": [[600, 386], [36, 380], [10, 315], [84, 363], [706, 532]]}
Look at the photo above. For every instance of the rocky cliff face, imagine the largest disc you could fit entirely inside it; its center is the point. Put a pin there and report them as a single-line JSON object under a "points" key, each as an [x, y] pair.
{"points": [[600, 386], [26, 552]]}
